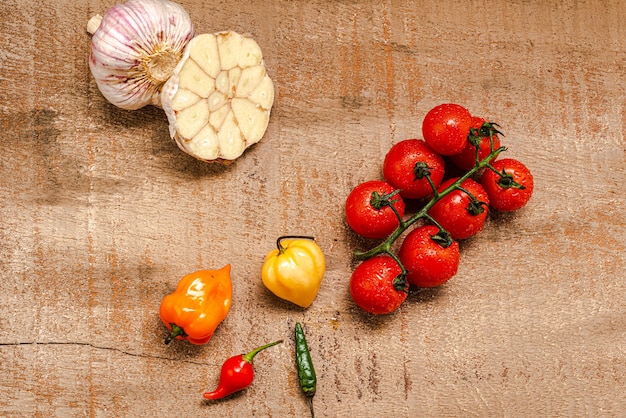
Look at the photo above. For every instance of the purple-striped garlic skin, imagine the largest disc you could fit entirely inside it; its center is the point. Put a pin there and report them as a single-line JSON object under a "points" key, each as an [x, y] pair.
{"points": [[135, 47]]}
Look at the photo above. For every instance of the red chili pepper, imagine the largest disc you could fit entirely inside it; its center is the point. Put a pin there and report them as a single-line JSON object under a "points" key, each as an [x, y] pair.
{"points": [[237, 373]]}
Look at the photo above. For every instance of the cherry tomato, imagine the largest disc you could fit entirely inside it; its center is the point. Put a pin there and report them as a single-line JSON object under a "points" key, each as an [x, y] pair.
{"points": [[480, 131], [406, 165], [457, 213], [511, 190], [369, 209], [430, 256], [377, 285], [446, 127]]}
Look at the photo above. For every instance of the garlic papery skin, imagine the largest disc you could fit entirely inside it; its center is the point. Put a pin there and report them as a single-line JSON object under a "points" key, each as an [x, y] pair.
{"points": [[219, 98], [135, 47]]}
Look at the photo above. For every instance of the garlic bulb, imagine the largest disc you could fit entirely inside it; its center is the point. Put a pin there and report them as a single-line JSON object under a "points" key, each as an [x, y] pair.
{"points": [[134, 49], [219, 97]]}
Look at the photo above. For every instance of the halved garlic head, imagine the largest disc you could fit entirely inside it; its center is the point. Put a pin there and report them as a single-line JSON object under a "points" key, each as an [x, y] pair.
{"points": [[219, 97], [135, 47]]}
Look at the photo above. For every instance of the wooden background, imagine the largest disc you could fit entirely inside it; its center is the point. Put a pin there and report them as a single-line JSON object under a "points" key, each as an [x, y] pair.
{"points": [[101, 214]]}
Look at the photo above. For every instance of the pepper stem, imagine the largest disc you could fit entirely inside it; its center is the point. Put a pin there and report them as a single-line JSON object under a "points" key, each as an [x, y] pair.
{"points": [[280, 247], [176, 332], [310, 402], [250, 356]]}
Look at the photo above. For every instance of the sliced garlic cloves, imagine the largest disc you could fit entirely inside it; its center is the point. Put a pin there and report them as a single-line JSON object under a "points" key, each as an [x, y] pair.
{"points": [[219, 97]]}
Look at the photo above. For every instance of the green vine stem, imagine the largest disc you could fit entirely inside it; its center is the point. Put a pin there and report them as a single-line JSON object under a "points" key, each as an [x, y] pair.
{"points": [[379, 201], [506, 180], [385, 246]]}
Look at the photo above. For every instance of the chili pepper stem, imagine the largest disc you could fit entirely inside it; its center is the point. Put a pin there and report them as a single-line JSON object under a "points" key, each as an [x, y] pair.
{"points": [[310, 402], [176, 332], [250, 356], [279, 240]]}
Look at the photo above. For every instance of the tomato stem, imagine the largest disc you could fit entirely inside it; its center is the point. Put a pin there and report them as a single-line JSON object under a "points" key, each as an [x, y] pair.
{"points": [[385, 246], [487, 129], [395, 211], [506, 180], [442, 237], [400, 283], [475, 206], [379, 201], [431, 219]]}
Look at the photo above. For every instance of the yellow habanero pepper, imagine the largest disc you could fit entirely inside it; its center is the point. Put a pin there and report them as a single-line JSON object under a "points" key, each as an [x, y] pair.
{"points": [[294, 270], [199, 304]]}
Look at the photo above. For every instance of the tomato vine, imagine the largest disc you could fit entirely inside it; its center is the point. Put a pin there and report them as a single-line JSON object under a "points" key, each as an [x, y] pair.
{"points": [[452, 209], [385, 246]]}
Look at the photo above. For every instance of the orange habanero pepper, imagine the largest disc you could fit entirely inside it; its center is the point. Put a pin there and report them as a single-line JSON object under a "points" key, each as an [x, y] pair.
{"points": [[199, 304]]}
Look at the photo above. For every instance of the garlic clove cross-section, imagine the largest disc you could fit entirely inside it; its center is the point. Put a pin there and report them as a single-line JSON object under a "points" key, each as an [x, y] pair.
{"points": [[219, 97], [135, 47]]}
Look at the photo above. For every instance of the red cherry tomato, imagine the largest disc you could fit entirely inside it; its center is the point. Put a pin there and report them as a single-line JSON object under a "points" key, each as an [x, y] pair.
{"points": [[369, 209], [377, 285], [480, 131], [430, 257], [457, 213], [511, 190], [406, 165], [446, 127]]}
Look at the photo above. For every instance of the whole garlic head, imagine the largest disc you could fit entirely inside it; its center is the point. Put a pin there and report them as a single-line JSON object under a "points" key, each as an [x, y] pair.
{"points": [[134, 49], [219, 97]]}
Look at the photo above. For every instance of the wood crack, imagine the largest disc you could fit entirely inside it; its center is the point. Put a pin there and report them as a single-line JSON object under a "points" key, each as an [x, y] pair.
{"points": [[99, 347]]}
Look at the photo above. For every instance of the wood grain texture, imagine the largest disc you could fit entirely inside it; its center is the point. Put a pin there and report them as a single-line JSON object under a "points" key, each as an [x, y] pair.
{"points": [[101, 215]]}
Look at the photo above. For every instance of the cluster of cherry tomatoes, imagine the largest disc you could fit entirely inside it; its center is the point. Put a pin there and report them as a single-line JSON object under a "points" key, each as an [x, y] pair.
{"points": [[452, 207]]}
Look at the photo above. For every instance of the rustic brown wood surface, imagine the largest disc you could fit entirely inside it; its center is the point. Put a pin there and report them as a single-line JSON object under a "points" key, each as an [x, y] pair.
{"points": [[101, 215]]}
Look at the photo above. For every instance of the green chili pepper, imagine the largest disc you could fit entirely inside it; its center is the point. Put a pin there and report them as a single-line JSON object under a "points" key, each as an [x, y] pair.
{"points": [[306, 371]]}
